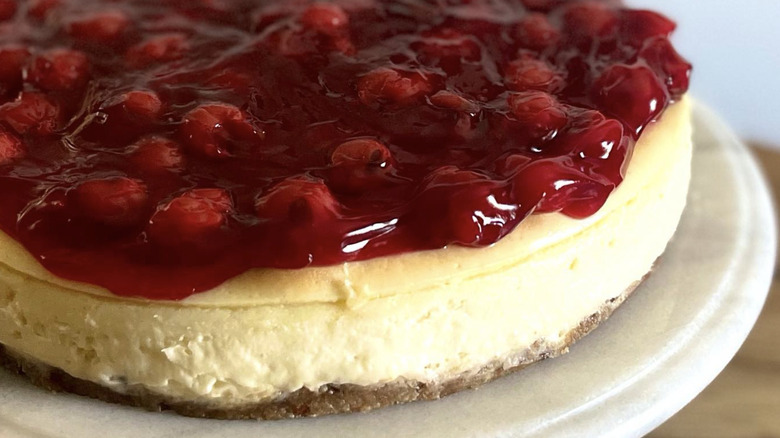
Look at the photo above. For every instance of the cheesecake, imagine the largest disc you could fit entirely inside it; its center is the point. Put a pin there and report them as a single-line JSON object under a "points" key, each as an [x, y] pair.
{"points": [[278, 209]]}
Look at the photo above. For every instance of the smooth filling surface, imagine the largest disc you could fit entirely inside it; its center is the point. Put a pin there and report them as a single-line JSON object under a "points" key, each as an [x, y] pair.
{"points": [[425, 316], [158, 148]]}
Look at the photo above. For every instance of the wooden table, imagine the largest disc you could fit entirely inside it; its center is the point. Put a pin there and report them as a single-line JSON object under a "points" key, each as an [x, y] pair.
{"points": [[744, 401]]}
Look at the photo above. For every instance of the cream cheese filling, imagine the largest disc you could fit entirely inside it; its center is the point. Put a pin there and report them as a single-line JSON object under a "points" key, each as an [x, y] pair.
{"points": [[423, 316]]}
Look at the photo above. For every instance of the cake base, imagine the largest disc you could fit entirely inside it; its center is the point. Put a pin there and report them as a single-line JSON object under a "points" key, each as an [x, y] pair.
{"points": [[329, 399]]}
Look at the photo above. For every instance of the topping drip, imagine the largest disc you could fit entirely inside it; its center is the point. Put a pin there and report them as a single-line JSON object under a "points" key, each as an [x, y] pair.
{"points": [[162, 147]]}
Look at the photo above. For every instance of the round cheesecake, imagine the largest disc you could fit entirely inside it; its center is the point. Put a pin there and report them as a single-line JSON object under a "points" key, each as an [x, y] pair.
{"points": [[306, 208]]}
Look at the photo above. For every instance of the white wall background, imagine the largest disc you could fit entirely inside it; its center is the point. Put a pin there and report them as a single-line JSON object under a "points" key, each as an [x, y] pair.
{"points": [[735, 48]]}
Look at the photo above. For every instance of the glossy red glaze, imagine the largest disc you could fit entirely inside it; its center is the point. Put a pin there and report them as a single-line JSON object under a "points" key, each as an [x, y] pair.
{"points": [[103, 27], [8, 9], [11, 148], [159, 148], [116, 201]]}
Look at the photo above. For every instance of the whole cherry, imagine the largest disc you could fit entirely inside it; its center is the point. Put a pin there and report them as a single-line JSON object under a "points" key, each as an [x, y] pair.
{"points": [[113, 201]]}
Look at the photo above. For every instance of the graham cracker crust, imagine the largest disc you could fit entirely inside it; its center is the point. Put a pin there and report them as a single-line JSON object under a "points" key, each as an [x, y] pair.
{"points": [[329, 399]]}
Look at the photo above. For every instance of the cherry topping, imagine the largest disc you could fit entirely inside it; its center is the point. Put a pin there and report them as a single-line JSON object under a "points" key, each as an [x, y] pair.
{"points": [[541, 5], [12, 60], [538, 111], [360, 165], [323, 27], [353, 6], [11, 147], [536, 32], [449, 100], [31, 112], [168, 47], [590, 19], [450, 43], [599, 138], [122, 118], [268, 13], [466, 199], [99, 27], [7, 9], [212, 129], [180, 143], [361, 151], [116, 201], [547, 183], [632, 93], [675, 71], [40, 9], [141, 105], [530, 74], [59, 70], [301, 200], [510, 165], [190, 219], [215, 5], [640, 26], [157, 154], [389, 85], [326, 18]]}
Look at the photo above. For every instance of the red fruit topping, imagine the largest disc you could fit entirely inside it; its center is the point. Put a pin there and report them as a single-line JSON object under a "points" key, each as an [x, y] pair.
{"points": [[212, 129], [640, 26], [598, 138], [324, 27], [12, 60], [31, 112], [116, 201], [388, 85], [7, 9], [361, 151], [326, 18], [294, 43], [123, 118], [231, 80], [59, 70], [40, 9], [269, 12], [344, 130], [357, 5], [449, 43], [360, 165], [538, 111], [674, 70], [632, 93], [141, 105], [555, 183], [528, 74], [99, 27], [301, 200], [11, 147], [511, 165], [157, 154], [449, 100], [467, 199], [168, 47], [541, 5], [190, 219], [536, 32], [215, 5], [590, 19]]}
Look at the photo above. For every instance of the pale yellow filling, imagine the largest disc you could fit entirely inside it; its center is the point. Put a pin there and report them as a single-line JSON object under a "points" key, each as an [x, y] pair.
{"points": [[424, 316]]}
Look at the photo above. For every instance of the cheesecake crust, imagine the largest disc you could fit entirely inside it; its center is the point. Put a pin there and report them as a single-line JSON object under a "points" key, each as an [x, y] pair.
{"points": [[329, 399]]}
